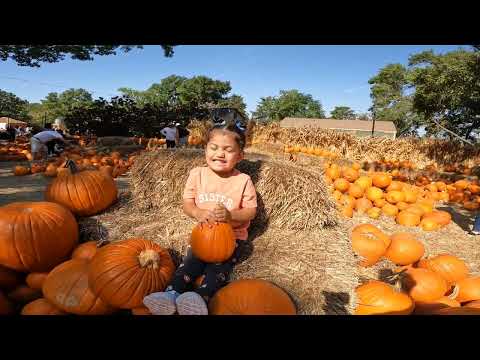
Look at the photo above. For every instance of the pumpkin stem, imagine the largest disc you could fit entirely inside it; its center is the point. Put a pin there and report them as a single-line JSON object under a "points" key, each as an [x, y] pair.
{"points": [[149, 257], [72, 166], [454, 293]]}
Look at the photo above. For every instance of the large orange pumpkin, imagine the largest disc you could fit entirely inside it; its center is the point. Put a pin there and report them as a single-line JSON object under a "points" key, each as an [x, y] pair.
{"points": [[424, 285], [9, 278], [251, 297], [36, 236], [449, 267], [369, 243], [213, 243], [35, 280], [85, 193], [378, 298], [41, 307], [123, 273], [404, 249], [67, 287], [468, 289], [85, 251]]}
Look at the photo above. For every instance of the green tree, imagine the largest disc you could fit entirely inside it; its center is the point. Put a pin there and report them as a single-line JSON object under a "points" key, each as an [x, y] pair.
{"points": [[34, 55], [236, 102], [58, 105], [447, 90], [12, 106], [290, 103], [391, 100], [342, 112]]}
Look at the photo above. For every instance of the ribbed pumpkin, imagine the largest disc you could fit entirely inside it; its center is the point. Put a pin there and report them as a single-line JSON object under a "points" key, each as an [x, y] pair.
{"points": [[341, 184], [364, 182], [355, 191], [9, 278], [85, 251], [67, 287], [23, 294], [374, 193], [36, 280], [426, 308], [404, 249], [389, 209], [423, 285], [123, 273], [468, 289], [408, 218], [36, 236], [362, 205], [85, 193], [41, 307], [213, 243], [251, 297], [378, 298], [381, 180], [449, 267], [369, 243], [106, 169], [6, 306]]}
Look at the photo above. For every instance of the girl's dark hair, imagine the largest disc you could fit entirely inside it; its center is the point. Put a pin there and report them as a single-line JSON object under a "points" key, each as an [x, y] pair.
{"points": [[235, 127]]}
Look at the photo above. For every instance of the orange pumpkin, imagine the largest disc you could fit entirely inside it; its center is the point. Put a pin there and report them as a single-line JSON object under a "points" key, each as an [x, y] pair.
{"points": [[47, 232], [85, 251], [429, 225], [380, 203], [410, 196], [213, 243], [374, 213], [21, 170], [251, 297], [423, 285], [364, 182], [362, 205], [37, 168], [350, 174], [85, 193], [389, 209], [404, 249], [51, 170], [41, 307], [106, 169], [394, 197], [449, 267], [369, 243], [461, 184], [141, 266], [407, 218], [341, 184], [378, 298], [426, 308], [35, 280], [468, 289], [347, 211], [374, 193], [67, 288], [355, 191], [395, 186], [381, 180], [441, 217], [333, 172]]}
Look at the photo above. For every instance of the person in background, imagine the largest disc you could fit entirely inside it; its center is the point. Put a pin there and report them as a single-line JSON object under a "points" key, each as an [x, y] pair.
{"points": [[476, 225], [182, 134], [44, 142], [171, 135]]}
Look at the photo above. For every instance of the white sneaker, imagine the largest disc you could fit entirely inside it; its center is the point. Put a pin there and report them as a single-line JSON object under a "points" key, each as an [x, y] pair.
{"points": [[161, 303], [190, 303]]}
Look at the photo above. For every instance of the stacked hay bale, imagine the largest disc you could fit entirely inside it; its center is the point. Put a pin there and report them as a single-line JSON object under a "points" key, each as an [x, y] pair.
{"points": [[296, 241]]}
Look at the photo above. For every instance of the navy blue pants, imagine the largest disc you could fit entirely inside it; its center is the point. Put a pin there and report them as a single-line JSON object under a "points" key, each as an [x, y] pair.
{"points": [[476, 225], [216, 275]]}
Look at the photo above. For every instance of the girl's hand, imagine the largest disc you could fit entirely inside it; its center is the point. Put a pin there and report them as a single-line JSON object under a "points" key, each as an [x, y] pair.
{"points": [[222, 214], [205, 216]]}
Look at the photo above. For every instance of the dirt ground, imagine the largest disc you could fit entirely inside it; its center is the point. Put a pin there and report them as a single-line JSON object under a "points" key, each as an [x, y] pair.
{"points": [[30, 187]]}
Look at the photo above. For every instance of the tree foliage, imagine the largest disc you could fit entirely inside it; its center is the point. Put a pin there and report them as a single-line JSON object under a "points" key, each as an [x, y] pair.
{"points": [[12, 106], [342, 112], [34, 55], [290, 103]]}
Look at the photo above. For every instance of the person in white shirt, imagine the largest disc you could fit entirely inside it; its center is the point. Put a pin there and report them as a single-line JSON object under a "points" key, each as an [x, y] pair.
{"points": [[39, 142], [171, 135]]}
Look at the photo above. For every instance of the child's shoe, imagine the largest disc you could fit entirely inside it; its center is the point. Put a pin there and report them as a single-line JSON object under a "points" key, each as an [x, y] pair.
{"points": [[190, 303], [161, 303]]}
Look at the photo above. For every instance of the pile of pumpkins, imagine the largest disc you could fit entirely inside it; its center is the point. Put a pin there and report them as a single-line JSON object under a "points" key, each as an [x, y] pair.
{"points": [[15, 152], [376, 194], [113, 164], [43, 270], [310, 150], [437, 285]]}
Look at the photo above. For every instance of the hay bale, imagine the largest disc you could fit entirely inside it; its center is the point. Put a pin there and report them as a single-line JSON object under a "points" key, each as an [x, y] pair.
{"points": [[115, 141], [289, 196]]}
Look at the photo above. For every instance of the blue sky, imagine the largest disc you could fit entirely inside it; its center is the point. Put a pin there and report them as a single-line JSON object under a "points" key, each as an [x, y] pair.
{"points": [[336, 75]]}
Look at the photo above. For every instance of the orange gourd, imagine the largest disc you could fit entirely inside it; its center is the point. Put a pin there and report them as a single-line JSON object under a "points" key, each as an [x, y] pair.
{"points": [[395, 186], [21, 170], [141, 266], [46, 231], [378, 298], [369, 243], [440, 216], [213, 243], [408, 218], [404, 249], [380, 203], [362, 205], [350, 174], [85, 251], [449, 267], [374, 193], [251, 297], [35, 280], [423, 285], [381, 180], [389, 209], [355, 191], [347, 211], [468, 289], [341, 185], [394, 197], [364, 182]]}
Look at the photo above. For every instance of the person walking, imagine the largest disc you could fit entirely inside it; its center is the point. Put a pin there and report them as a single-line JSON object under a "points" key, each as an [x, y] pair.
{"points": [[182, 134], [171, 135]]}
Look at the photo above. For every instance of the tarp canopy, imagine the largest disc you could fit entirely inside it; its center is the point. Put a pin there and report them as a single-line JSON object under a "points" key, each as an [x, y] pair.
{"points": [[7, 120]]}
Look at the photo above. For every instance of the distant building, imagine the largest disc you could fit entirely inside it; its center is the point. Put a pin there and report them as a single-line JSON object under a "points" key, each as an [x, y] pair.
{"points": [[354, 127], [6, 122]]}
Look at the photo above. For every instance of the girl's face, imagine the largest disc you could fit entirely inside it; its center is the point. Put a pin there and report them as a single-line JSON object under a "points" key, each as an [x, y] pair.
{"points": [[223, 152]]}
